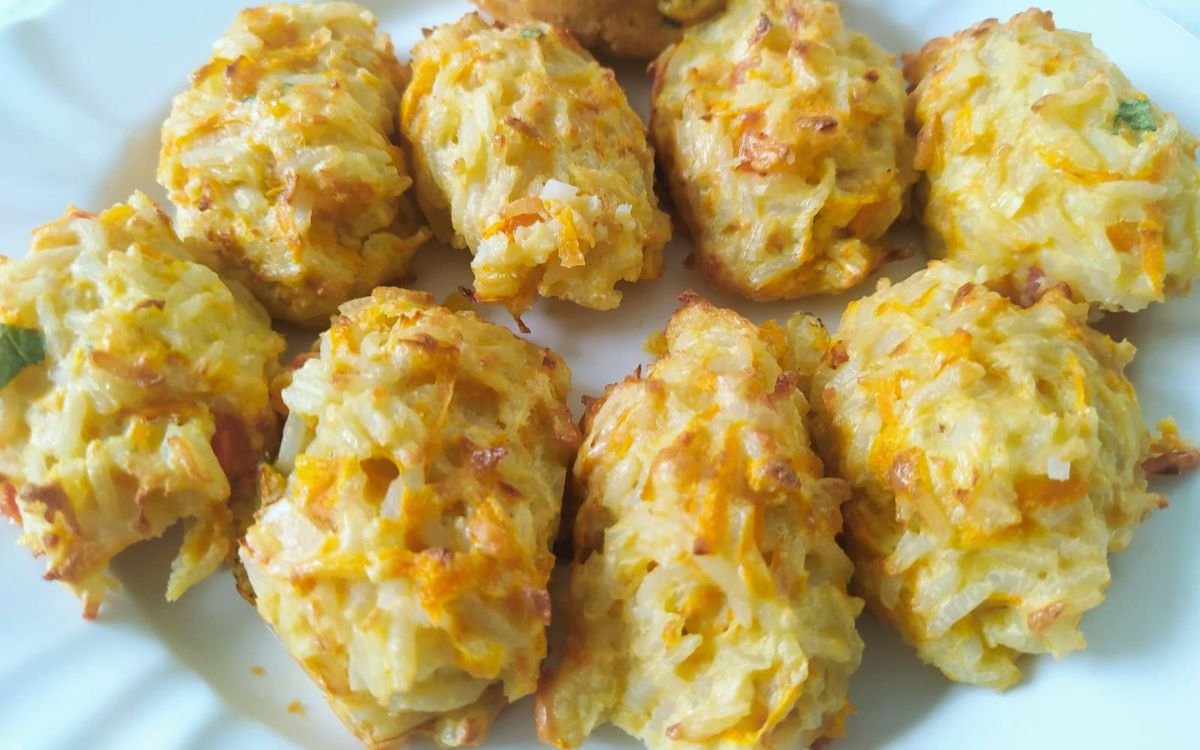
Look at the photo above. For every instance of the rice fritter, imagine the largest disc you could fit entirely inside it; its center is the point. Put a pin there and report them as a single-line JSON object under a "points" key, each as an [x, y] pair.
{"points": [[527, 153], [403, 549], [281, 155], [133, 394], [707, 603], [996, 458], [623, 28], [1044, 164], [782, 134]]}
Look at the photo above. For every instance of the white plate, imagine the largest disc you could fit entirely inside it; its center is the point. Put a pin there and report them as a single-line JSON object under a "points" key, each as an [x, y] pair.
{"points": [[85, 86]]}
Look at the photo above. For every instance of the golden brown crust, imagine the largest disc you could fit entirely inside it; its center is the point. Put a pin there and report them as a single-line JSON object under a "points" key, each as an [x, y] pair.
{"points": [[622, 28]]}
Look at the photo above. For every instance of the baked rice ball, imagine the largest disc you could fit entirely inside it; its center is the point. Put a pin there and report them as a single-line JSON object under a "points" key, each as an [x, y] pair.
{"points": [[707, 602], [403, 547], [281, 154], [527, 154], [782, 134], [995, 454], [1043, 164], [621, 28], [133, 394]]}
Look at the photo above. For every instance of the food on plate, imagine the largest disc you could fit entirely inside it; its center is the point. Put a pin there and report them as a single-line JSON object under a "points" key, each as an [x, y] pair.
{"points": [[707, 602], [403, 548], [1171, 454], [1044, 164], [996, 454], [282, 155], [527, 154], [133, 394], [624, 28], [782, 134]]}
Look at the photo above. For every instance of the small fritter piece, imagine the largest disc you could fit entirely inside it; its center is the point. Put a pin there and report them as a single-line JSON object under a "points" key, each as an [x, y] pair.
{"points": [[1171, 454], [707, 603], [622, 28], [996, 458], [403, 549], [527, 153], [1044, 164], [133, 394], [281, 155], [783, 136]]}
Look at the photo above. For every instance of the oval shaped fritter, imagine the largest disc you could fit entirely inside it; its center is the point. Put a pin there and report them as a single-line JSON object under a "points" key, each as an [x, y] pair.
{"points": [[1044, 164], [281, 155], [782, 134], [707, 602], [403, 549], [996, 458], [133, 394], [527, 154], [622, 28]]}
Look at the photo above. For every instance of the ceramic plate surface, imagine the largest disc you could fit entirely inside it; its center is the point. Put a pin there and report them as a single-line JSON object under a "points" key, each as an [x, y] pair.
{"points": [[85, 86]]}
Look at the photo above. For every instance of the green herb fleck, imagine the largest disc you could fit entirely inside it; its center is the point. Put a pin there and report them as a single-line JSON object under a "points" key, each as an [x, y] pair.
{"points": [[249, 98], [1136, 114], [532, 33], [19, 348]]}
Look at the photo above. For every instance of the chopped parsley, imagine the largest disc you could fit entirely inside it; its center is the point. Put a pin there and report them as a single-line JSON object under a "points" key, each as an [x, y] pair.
{"points": [[1136, 114], [19, 348], [532, 33]]}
